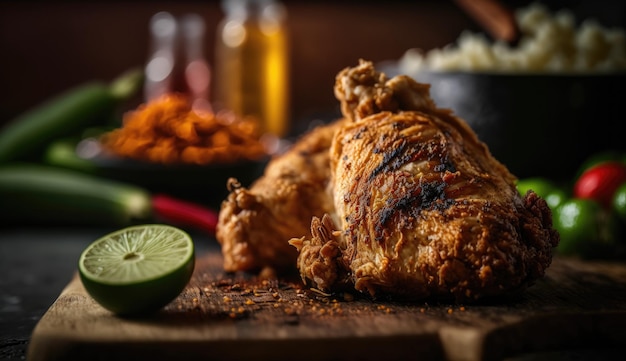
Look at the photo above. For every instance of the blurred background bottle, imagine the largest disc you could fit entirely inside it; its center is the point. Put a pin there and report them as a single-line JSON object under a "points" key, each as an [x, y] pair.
{"points": [[251, 68]]}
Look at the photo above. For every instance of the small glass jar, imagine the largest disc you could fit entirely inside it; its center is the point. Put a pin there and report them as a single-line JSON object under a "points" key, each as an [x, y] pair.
{"points": [[251, 68]]}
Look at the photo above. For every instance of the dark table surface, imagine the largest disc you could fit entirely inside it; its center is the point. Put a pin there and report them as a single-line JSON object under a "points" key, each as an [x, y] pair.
{"points": [[36, 263]]}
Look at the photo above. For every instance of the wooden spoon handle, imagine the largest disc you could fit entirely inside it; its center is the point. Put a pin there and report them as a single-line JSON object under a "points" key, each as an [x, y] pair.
{"points": [[497, 19]]}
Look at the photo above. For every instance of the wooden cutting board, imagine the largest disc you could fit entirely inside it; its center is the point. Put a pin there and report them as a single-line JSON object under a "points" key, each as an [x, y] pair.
{"points": [[235, 316]]}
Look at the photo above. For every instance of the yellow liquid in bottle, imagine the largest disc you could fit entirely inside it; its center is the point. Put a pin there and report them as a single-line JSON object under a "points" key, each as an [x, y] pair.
{"points": [[252, 71]]}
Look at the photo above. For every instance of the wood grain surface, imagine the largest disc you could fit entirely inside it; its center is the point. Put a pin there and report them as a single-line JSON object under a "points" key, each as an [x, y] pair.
{"points": [[223, 316]]}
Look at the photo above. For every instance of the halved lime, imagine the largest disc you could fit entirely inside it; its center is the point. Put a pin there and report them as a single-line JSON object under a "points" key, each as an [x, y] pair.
{"points": [[139, 269]]}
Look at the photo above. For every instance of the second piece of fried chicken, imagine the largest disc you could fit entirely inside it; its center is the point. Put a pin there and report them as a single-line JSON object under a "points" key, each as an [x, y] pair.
{"points": [[255, 223], [421, 207]]}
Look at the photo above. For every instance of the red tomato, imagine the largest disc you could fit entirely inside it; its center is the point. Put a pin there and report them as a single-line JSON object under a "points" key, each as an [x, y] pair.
{"points": [[600, 182]]}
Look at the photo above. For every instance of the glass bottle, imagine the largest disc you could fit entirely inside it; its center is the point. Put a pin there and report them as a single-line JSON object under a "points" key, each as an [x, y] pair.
{"points": [[251, 70]]}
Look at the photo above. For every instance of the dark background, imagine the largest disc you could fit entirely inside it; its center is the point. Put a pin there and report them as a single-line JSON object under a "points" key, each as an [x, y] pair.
{"points": [[47, 47]]}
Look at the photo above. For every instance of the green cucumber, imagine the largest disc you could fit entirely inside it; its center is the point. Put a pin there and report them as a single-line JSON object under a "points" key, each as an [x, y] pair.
{"points": [[62, 153], [77, 108], [43, 194]]}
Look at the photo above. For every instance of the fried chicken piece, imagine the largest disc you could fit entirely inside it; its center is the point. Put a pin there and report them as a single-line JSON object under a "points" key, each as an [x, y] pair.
{"points": [[422, 209], [255, 224]]}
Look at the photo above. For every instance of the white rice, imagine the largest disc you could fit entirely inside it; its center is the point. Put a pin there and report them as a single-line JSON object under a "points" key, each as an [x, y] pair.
{"points": [[550, 42]]}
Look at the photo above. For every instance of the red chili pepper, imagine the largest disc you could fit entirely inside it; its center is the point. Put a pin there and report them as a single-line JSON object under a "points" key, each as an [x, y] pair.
{"points": [[184, 213], [600, 182]]}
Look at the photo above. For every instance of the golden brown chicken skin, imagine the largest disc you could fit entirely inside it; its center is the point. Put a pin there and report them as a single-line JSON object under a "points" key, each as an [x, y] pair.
{"points": [[421, 208], [255, 224]]}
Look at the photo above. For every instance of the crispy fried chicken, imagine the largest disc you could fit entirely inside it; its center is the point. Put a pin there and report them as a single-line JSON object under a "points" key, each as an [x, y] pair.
{"points": [[402, 199], [422, 209], [255, 224]]}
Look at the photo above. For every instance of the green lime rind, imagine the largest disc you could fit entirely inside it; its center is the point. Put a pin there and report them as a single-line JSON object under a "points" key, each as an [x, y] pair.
{"points": [[138, 270]]}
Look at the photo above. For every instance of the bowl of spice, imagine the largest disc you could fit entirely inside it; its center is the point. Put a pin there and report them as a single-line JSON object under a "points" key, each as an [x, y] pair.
{"points": [[171, 145]]}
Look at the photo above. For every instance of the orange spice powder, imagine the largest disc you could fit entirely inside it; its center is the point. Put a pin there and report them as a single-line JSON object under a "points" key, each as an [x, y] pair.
{"points": [[168, 130]]}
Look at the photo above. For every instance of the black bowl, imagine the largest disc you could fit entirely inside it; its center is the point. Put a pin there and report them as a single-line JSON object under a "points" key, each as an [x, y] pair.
{"points": [[536, 124], [204, 184]]}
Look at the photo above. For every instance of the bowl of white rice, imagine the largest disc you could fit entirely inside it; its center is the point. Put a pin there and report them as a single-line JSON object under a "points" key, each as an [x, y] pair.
{"points": [[543, 104]]}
